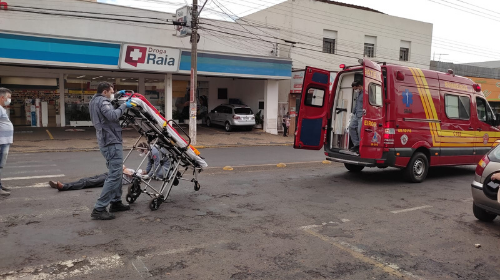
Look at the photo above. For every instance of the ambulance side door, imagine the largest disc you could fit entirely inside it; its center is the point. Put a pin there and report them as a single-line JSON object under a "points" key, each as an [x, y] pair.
{"points": [[372, 129], [313, 110], [484, 127], [458, 123]]}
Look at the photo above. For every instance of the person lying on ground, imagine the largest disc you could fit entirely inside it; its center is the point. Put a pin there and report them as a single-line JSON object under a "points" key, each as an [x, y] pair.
{"points": [[96, 181]]}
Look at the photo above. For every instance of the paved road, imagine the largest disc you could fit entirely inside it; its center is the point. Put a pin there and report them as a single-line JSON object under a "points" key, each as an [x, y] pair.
{"points": [[305, 221], [76, 164]]}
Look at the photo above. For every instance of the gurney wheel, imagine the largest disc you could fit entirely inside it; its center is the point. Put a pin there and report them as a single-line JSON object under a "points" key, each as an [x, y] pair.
{"points": [[130, 199], [133, 193], [197, 186], [155, 204]]}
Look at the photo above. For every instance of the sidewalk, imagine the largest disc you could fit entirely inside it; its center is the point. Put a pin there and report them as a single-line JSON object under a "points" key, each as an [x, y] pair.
{"points": [[34, 139]]}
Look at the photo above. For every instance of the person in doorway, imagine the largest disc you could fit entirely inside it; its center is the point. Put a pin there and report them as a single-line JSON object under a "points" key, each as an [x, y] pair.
{"points": [[109, 136], [357, 116], [156, 168], [96, 181], [6, 134], [286, 124]]}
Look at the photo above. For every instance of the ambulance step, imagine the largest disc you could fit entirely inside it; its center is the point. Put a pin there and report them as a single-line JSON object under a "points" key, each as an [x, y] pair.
{"points": [[347, 152]]}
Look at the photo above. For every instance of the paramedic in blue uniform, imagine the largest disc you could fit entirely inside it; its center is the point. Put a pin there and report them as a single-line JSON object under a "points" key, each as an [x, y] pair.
{"points": [[357, 116], [109, 136]]}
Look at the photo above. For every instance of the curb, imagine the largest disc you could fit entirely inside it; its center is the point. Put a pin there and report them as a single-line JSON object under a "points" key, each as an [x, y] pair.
{"points": [[128, 148]]}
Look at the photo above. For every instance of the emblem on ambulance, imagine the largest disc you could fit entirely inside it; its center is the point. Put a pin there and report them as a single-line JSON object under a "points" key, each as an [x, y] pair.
{"points": [[407, 98], [404, 139], [486, 137], [376, 138]]}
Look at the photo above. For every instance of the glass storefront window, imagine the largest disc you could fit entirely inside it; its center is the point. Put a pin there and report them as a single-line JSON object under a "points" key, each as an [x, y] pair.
{"points": [[79, 91], [25, 91]]}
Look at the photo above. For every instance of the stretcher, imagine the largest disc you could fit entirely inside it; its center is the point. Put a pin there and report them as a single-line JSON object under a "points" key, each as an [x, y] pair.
{"points": [[157, 131]]}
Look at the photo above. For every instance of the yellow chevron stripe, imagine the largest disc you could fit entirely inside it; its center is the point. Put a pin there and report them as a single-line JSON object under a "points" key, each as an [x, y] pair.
{"points": [[429, 96], [425, 104], [447, 138]]}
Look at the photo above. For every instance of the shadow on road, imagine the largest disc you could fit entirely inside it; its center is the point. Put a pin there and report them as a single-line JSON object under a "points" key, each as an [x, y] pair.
{"points": [[393, 176]]}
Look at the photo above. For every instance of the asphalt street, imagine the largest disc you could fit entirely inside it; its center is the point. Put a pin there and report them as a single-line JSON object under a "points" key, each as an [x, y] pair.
{"points": [[308, 220]]}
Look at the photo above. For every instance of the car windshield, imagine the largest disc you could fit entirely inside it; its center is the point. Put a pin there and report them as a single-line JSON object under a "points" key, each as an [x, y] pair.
{"points": [[494, 155], [243, 111]]}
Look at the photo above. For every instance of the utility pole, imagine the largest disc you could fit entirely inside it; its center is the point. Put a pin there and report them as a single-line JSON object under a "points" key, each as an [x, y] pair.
{"points": [[194, 73]]}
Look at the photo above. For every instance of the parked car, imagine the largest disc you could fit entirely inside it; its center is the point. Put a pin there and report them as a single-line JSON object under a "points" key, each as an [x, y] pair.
{"points": [[484, 191], [231, 116]]}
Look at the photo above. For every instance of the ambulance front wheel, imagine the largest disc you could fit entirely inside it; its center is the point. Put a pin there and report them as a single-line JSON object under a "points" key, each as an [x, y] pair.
{"points": [[417, 169], [353, 167]]}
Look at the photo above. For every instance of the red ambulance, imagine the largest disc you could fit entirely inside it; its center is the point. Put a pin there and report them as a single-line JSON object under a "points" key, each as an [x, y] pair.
{"points": [[413, 118]]}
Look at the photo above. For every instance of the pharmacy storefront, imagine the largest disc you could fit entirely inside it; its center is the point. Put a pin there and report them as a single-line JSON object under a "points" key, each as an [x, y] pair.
{"points": [[53, 79]]}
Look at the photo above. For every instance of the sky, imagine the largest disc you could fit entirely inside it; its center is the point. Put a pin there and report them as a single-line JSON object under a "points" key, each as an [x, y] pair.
{"points": [[463, 30]]}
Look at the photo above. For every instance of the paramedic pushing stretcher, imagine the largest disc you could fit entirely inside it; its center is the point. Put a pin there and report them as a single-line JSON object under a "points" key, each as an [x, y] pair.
{"points": [[109, 136], [357, 116]]}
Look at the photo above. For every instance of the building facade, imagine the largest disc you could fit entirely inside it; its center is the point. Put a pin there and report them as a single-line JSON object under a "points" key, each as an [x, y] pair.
{"points": [[57, 54]]}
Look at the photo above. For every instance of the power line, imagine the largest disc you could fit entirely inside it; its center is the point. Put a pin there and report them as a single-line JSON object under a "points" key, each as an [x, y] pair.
{"points": [[467, 7], [82, 12], [467, 11], [487, 9], [215, 2], [84, 16]]}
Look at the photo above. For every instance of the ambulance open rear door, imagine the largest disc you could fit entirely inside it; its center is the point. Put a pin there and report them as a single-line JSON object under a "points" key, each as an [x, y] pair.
{"points": [[313, 112]]}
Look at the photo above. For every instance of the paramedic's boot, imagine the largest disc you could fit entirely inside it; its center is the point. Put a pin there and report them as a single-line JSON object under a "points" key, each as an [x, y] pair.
{"points": [[101, 215], [118, 206], [355, 149], [4, 192]]}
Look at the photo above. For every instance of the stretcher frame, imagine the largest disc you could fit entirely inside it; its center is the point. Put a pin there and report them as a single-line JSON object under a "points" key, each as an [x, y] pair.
{"points": [[179, 160]]}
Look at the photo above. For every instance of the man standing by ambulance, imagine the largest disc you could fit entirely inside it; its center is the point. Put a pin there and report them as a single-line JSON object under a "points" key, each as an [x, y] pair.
{"points": [[109, 136], [357, 116]]}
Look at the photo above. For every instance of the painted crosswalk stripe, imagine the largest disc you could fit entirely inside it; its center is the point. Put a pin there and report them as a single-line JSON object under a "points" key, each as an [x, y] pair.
{"points": [[410, 209], [37, 198], [28, 166], [37, 185], [48, 213], [32, 177], [29, 171], [64, 269]]}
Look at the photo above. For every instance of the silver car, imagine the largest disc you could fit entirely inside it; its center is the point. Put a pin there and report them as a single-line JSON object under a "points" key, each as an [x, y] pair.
{"points": [[484, 191], [231, 116]]}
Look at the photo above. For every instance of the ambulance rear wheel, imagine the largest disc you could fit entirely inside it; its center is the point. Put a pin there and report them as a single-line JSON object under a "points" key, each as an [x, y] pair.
{"points": [[353, 167], [417, 169]]}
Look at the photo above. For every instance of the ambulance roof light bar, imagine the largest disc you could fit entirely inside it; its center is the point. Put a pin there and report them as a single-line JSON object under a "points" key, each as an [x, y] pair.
{"points": [[344, 67], [476, 87]]}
